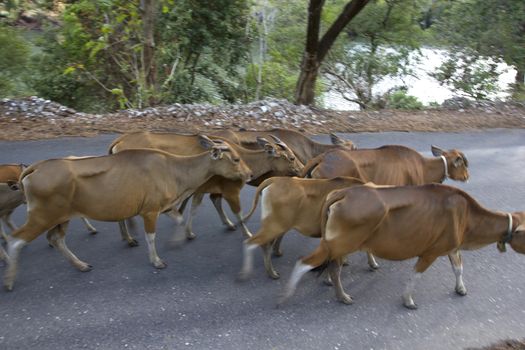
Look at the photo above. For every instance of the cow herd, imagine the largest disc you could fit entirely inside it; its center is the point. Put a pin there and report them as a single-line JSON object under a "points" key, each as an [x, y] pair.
{"points": [[388, 202]]}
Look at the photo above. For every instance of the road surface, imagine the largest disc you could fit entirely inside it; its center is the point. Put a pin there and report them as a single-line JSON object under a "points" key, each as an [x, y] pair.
{"points": [[196, 303]]}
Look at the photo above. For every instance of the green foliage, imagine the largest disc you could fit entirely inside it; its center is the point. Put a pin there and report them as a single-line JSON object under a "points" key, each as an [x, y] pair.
{"points": [[481, 28], [13, 61], [277, 81], [469, 75], [381, 44], [401, 100]]}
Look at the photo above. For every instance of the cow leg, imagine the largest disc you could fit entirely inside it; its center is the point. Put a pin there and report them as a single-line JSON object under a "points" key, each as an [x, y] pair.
{"points": [[317, 258], [195, 202], [150, 223], [267, 255], [175, 215], [56, 237], [247, 264], [2, 232], [277, 246], [334, 271], [9, 222], [234, 201], [372, 261], [88, 225], [216, 199], [124, 232], [421, 265], [25, 234], [457, 267]]}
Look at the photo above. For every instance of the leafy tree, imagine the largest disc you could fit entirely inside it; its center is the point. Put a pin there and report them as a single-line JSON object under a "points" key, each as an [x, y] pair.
{"points": [[381, 44], [494, 29], [316, 49], [13, 61]]}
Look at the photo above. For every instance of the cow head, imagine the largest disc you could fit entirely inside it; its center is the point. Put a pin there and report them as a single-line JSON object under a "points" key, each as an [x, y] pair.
{"points": [[228, 163], [457, 163], [282, 159], [518, 236], [338, 141]]}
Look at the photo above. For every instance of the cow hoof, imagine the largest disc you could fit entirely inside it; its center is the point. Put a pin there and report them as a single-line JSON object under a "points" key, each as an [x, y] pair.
{"points": [[277, 253], [274, 275], [85, 267], [231, 227], [190, 236], [461, 291], [8, 287], [93, 232], [328, 281], [346, 299], [411, 306], [133, 243], [160, 264], [244, 276], [374, 267]]}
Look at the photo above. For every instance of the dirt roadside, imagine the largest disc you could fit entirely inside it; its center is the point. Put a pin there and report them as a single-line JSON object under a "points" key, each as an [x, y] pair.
{"points": [[35, 118]]}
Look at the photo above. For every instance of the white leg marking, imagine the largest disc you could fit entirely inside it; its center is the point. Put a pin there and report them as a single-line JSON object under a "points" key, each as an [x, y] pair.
{"points": [[244, 228], [14, 247], [247, 263], [407, 295], [299, 270], [266, 208], [152, 250]]}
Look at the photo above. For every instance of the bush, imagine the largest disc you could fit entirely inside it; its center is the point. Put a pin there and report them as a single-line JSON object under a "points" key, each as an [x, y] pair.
{"points": [[401, 100]]}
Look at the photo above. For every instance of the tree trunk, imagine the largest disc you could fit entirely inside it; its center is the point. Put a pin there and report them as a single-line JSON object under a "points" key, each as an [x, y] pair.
{"points": [[150, 70], [305, 90], [520, 77], [316, 50]]}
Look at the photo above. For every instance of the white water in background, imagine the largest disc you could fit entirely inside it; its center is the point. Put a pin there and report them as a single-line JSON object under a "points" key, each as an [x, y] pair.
{"points": [[422, 86]]}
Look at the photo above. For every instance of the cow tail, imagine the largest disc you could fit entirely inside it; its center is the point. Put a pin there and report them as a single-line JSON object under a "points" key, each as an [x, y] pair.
{"points": [[260, 188]]}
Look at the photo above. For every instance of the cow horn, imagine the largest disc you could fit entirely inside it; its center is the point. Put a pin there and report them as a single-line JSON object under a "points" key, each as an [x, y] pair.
{"points": [[278, 141], [336, 140]]}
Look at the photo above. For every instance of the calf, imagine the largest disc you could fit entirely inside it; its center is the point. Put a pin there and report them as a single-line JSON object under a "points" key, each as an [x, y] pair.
{"points": [[141, 182], [399, 223], [288, 203]]}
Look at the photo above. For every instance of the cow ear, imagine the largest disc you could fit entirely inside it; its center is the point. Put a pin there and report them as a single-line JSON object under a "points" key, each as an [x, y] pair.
{"points": [[262, 142], [436, 151], [216, 153], [336, 140], [13, 185], [206, 142]]}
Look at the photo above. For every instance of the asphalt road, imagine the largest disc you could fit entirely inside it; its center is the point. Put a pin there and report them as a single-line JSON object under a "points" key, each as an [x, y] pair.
{"points": [[196, 302]]}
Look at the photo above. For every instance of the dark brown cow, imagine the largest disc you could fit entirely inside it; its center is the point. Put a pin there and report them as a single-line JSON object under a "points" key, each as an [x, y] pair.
{"points": [[398, 223]]}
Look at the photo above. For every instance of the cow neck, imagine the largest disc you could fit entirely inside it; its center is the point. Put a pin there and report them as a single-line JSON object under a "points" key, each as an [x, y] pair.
{"points": [[257, 161], [486, 227], [318, 148], [191, 171], [436, 170]]}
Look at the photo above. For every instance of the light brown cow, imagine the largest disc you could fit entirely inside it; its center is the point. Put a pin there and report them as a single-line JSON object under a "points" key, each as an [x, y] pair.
{"points": [[390, 165], [11, 172], [303, 147], [398, 223], [10, 198], [288, 203], [141, 182], [272, 158]]}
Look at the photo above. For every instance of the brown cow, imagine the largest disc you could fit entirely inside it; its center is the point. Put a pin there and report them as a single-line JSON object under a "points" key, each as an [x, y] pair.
{"points": [[398, 223], [288, 203], [390, 165], [10, 198], [274, 158], [141, 182], [12, 172], [303, 147]]}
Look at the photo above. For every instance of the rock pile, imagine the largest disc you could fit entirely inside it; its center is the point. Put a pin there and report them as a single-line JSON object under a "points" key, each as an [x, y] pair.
{"points": [[34, 107]]}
